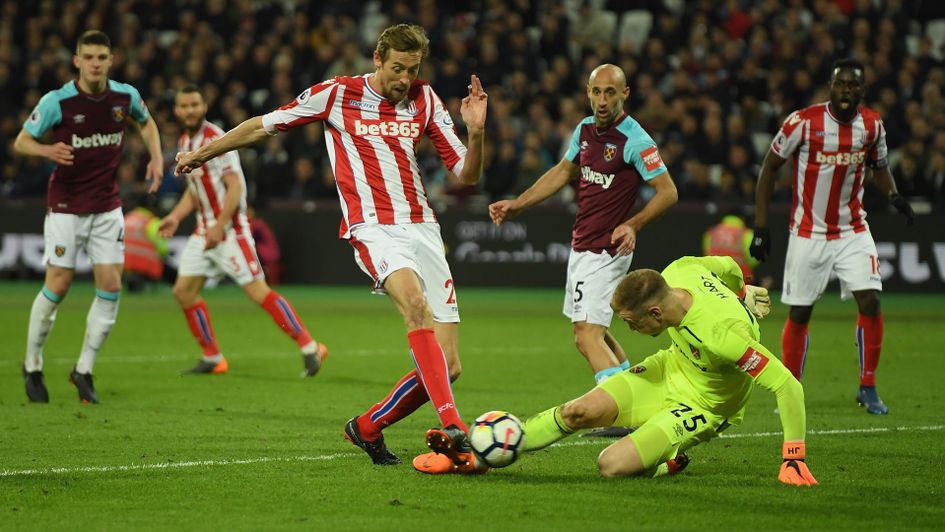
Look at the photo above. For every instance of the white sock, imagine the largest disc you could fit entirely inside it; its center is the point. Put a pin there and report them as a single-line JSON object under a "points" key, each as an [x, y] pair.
{"points": [[42, 317], [213, 359], [99, 323], [310, 348]]}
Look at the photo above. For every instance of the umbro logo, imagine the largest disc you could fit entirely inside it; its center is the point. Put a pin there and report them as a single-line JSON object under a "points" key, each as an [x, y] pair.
{"points": [[79, 119], [583, 145]]}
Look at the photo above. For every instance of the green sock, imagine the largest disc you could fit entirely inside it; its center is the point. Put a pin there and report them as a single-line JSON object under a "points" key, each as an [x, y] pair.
{"points": [[545, 428]]}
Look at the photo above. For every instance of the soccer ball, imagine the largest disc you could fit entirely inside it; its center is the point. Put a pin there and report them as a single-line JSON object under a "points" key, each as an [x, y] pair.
{"points": [[497, 438]]}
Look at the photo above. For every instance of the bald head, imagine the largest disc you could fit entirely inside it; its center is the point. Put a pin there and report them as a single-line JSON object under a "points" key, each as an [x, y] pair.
{"points": [[608, 74], [607, 91]]}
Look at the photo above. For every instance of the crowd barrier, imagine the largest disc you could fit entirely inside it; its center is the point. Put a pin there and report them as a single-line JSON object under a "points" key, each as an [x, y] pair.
{"points": [[530, 251]]}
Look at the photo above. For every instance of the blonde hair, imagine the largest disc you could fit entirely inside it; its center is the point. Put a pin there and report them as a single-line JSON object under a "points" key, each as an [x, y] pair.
{"points": [[639, 289], [403, 38]]}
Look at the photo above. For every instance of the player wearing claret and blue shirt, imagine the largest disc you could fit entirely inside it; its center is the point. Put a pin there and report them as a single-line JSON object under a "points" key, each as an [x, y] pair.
{"points": [[612, 156], [87, 119]]}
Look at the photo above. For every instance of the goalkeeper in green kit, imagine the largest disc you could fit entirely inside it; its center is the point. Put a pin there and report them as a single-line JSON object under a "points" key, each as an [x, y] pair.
{"points": [[694, 389]]}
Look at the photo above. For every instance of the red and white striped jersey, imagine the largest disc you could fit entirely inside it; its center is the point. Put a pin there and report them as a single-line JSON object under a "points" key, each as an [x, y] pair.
{"points": [[830, 159], [372, 146], [206, 183]]}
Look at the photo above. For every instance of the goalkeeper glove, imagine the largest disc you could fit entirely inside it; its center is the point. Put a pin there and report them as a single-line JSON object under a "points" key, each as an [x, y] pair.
{"points": [[903, 207], [757, 300], [793, 470], [760, 246]]}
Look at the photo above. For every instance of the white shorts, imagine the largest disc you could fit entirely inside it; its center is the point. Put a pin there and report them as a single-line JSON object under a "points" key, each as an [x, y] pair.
{"points": [[592, 279], [235, 257], [380, 250], [102, 235], [810, 263]]}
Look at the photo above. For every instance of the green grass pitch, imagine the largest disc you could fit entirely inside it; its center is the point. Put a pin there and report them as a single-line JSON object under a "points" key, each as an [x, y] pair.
{"points": [[260, 448]]}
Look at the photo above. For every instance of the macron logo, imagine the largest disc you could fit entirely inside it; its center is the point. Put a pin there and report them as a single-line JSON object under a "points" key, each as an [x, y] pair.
{"points": [[592, 176], [386, 128], [97, 140]]}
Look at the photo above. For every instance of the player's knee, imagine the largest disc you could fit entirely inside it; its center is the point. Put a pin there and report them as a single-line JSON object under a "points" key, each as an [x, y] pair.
{"points": [[111, 285], [455, 369], [800, 315], [578, 414], [868, 302], [584, 337], [612, 464], [184, 295], [58, 281], [417, 312]]}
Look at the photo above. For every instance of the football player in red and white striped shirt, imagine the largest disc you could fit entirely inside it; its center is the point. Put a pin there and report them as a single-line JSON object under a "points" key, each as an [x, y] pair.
{"points": [[832, 145], [372, 125], [222, 243]]}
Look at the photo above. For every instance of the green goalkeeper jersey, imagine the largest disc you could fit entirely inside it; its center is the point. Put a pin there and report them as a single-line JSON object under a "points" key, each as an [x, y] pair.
{"points": [[717, 354]]}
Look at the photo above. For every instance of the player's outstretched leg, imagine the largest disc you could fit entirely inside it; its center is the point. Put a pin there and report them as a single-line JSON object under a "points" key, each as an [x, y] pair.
{"points": [[282, 312], [545, 428], [376, 448]]}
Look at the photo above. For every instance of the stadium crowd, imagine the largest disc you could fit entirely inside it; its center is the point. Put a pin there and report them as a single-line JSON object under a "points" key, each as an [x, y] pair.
{"points": [[711, 81]]}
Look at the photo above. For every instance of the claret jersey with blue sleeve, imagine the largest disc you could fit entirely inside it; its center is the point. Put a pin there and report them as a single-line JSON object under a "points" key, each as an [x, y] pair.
{"points": [[614, 162], [94, 125]]}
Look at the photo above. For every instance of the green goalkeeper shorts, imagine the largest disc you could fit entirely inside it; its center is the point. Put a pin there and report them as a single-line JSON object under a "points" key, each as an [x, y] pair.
{"points": [[665, 426]]}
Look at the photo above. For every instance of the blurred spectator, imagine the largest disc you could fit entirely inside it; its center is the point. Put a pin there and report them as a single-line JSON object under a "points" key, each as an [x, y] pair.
{"points": [[267, 247], [145, 249], [710, 80], [731, 238]]}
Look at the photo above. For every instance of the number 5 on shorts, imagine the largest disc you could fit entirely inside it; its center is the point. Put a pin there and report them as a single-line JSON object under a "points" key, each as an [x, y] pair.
{"points": [[578, 294]]}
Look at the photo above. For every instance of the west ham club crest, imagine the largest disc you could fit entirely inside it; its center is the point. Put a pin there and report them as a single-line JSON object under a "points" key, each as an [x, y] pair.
{"points": [[610, 151]]}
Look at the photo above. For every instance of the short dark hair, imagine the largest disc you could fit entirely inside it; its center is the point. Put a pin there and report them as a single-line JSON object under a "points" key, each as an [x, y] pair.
{"points": [[847, 64], [189, 88], [639, 289], [403, 38], [93, 37]]}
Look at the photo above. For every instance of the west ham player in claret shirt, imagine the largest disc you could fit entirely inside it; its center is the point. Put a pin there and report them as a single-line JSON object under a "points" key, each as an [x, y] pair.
{"points": [[612, 156], [372, 125], [833, 145], [87, 118]]}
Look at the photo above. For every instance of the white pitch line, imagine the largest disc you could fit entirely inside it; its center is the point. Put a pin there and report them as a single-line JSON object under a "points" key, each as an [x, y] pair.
{"points": [[335, 456], [828, 432], [352, 352], [170, 465]]}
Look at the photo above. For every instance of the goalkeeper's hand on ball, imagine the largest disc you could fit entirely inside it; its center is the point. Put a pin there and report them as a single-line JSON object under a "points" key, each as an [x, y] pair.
{"points": [[793, 470], [757, 300]]}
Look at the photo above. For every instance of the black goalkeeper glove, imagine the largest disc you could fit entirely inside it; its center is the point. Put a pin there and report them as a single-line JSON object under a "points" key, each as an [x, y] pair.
{"points": [[903, 207], [760, 246]]}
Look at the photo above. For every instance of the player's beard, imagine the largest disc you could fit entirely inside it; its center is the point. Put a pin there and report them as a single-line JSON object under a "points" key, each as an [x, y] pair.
{"points": [[609, 119], [396, 96]]}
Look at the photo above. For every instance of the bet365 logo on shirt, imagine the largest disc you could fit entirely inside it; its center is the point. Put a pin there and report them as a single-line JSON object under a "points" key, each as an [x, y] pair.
{"points": [[386, 128], [841, 158]]}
